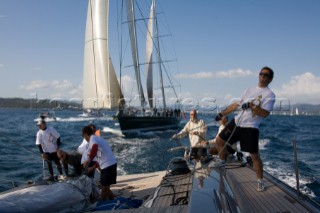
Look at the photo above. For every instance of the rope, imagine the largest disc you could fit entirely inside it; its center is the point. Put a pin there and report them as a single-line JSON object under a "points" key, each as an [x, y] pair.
{"points": [[234, 129]]}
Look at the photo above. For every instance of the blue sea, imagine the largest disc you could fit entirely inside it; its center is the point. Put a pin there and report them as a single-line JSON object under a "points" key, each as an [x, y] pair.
{"points": [[21, 162]]}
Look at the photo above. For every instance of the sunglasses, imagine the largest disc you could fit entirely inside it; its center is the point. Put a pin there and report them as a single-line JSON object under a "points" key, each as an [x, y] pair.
{"points": [[264, 74]]}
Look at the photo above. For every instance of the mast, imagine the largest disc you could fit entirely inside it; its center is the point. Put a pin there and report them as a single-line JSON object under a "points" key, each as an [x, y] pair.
{"points": [[158, 56], [134, 49]]}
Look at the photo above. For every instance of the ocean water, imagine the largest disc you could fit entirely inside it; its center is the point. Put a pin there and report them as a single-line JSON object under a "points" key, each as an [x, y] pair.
{"points": [[20, 160]]}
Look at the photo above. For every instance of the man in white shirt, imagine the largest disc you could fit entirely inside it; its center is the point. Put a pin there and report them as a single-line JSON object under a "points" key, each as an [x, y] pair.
{"points": [[256, 104], [48, 142], [106, 161], [84, 150], [196, 129]]}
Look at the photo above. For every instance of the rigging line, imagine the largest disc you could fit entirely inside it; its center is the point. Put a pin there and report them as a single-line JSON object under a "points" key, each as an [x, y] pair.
{"points": [[12, 182], [136, 53], [161, 62], [204, 139], [119, 33], [19, 145], [158, 51], [146, 25], [122, 101], [234, 129], [94, 55]]}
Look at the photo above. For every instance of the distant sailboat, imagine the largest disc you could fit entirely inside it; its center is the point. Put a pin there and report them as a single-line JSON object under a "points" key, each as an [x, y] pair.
{"points": [[101, 88], [297, 111]]}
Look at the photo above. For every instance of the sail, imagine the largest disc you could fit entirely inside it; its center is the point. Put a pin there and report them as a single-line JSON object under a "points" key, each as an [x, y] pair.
{"points": [[149, 46], [101, 88], [134, 49]]}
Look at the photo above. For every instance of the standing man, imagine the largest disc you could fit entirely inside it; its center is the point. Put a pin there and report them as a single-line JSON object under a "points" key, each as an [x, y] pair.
{"points": [[106, 161], [196, 129], [48, 142], [256, 104]]}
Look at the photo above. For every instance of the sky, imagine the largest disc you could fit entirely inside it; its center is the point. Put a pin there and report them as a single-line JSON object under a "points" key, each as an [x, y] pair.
{"points": [[220, 47]]}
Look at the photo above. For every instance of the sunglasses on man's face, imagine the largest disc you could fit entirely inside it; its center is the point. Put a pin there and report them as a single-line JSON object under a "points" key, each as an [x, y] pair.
{"points": [[264, 74]]}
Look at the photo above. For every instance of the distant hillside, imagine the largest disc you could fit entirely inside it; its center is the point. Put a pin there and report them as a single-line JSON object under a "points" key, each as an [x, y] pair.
{"points": [[34, 103]]}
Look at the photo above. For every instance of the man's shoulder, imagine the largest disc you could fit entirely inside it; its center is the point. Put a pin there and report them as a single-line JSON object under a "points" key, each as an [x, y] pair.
{"points": [[268, 92], [95, 138], [50, 128]]}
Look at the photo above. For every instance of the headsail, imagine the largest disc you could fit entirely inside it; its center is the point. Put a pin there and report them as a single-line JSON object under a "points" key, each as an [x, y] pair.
{"points": [[149, 47], [101, 88]]}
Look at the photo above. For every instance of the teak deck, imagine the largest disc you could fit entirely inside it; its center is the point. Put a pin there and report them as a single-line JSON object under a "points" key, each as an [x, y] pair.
{"points": [[241, 180]]}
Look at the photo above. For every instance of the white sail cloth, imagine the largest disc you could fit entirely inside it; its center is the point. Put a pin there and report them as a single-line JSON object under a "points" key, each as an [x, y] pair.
{"points": [[101, 88], [71, 196]]}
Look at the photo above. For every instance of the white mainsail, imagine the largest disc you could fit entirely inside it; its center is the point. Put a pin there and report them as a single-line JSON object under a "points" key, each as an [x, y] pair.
{"points": [[101, 88], [149, 67]]}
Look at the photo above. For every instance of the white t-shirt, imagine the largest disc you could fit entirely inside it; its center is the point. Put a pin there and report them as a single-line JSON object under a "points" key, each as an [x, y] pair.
{"points": [[221, 127], [83, 146], [104, 156], [48, 139], [260, 96], [198, 126], [85, 151]]}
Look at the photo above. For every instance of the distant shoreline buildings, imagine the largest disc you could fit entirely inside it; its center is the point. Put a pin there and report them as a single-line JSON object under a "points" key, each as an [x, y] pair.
{"points": [[292, 110]]}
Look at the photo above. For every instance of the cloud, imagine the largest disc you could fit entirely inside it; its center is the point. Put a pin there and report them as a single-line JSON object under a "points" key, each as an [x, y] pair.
{"points": [[1, 66], [34, 85], [199, 75], [65, 84], [128, 84], [301, 88], [235, 73], [57, 89]]}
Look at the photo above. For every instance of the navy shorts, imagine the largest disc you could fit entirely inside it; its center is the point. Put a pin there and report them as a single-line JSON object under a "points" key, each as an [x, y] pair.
{"points": [[108, 175], [53, 157], [198, 153], [248, 137]]}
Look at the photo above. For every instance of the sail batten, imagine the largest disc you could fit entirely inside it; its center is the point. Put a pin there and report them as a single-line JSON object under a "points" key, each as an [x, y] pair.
{"points": [[101, 89]]}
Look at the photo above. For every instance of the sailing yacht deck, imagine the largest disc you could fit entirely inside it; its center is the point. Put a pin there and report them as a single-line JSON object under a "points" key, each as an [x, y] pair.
{"points": [[274, 199], [174, 192]]}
